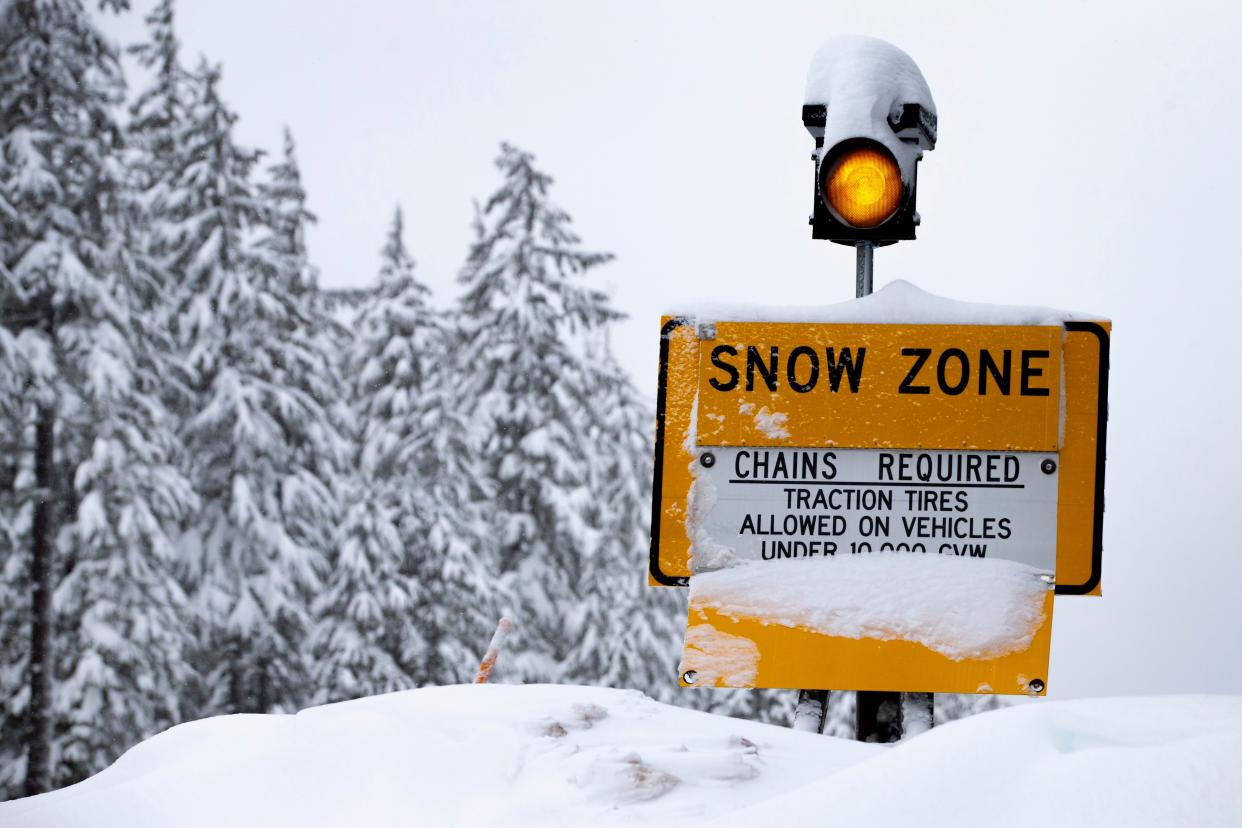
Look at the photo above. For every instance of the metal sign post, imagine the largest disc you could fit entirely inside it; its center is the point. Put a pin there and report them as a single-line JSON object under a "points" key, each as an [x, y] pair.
{"points": [[877, 713], [811, 712]]}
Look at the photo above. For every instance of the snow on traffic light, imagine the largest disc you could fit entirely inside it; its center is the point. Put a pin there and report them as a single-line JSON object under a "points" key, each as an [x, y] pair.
{"points": [[872, 115]]}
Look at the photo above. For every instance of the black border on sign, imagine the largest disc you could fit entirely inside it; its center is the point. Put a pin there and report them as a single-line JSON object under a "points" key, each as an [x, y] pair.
{"points": [[1101, 435], [658, 473]]}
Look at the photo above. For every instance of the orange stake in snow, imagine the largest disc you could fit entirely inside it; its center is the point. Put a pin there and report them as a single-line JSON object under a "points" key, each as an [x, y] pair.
{"points": [[493, 651]]}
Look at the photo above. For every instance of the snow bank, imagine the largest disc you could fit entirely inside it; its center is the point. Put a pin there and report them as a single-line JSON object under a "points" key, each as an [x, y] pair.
{"points": [[897, 302], [485, 755], [1103, 762], [975, 608], [539, 755]]}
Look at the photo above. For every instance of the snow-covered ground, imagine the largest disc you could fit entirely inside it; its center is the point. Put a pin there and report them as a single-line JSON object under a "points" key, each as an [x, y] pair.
{"points": [[547, 755]]}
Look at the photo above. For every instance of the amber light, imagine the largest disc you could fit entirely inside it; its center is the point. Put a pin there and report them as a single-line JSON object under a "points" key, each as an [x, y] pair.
{"points": [[863, 187]]}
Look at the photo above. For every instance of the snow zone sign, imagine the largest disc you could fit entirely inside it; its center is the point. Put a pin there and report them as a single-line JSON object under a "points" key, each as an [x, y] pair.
{"points": [[781, 446]]}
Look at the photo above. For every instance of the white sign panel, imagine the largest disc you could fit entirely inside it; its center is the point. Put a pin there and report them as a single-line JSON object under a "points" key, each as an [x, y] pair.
{"points": [[774, 504]]}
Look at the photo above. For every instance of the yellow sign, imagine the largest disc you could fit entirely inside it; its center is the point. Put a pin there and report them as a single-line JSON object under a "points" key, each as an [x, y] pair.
{"points": [[1081, 361], [908, 386], [792, 450]]}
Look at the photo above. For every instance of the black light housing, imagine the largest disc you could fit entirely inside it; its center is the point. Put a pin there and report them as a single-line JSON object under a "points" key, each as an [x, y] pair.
{"points": [[914, 125]]}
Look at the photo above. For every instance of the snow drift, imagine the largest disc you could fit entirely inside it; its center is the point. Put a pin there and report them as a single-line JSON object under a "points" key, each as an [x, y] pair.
{"points": [[543, 755]]}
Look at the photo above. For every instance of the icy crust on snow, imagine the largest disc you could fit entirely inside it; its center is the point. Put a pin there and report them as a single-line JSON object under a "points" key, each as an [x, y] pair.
{"points": [[976, 609], [864, 82], [898, 302]]}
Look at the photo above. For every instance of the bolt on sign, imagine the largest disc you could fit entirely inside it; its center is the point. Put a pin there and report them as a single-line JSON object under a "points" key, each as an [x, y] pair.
{"points": [[877, 506]]}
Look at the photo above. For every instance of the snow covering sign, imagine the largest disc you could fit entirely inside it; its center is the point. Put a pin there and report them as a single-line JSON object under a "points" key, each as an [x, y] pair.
{"points": [[857, 500]]}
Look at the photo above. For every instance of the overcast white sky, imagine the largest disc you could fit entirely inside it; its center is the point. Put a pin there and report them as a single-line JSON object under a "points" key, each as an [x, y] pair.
{"points": [[1087, 159]]}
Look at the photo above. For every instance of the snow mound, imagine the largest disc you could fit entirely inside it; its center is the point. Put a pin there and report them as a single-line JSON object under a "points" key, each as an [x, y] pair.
{"points": [[898, 302], [542, 755], [976, 608], [474, 755], [1133, 761]]}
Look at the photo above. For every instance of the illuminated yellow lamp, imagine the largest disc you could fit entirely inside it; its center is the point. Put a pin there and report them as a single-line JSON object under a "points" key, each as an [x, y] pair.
{"points": [[863, 186]]}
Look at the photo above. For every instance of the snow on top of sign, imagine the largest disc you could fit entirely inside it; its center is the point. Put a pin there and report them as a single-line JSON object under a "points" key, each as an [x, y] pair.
{"points": [[958, 608], [898, 302], [864, 82]]}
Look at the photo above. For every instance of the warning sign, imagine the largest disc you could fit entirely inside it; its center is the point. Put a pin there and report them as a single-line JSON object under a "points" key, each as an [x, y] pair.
{"points": [[873, 506], [774, 505], [1023, 390]]}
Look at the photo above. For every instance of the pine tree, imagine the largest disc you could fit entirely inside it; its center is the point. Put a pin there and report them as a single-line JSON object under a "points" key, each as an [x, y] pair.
{"points": [[157, 118], [58, 81], [412, 594], [952, 706], [283, 248], [258, 440], [125, 634], [96, 441], [528, 389], [15, 513], [158, 112], [631, 634], [364, 640]]}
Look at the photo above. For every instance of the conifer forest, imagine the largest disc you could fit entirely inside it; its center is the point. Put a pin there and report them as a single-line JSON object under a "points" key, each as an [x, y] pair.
{"points": [[224, 489]]}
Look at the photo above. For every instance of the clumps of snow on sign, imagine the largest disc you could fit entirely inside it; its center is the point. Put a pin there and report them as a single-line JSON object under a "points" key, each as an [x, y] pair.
{"points": [[706, 553], [770, 423], [962, 609], [719, 658], [898, 302], [692, 433], [864, 82]]}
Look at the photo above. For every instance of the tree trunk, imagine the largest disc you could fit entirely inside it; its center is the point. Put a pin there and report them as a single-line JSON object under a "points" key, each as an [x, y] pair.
{"points": [[237, 685], [264, 701], [39, 734]]}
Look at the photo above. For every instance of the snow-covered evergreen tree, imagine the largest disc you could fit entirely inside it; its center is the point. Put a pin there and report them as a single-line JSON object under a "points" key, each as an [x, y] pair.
{"points": [[528, 389], [952, 706], [410, 598], [126, 638], [14, 565], [283, 247], [256, 436], [366, 635], [157, 113], [630, 634], [97, 442]]}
